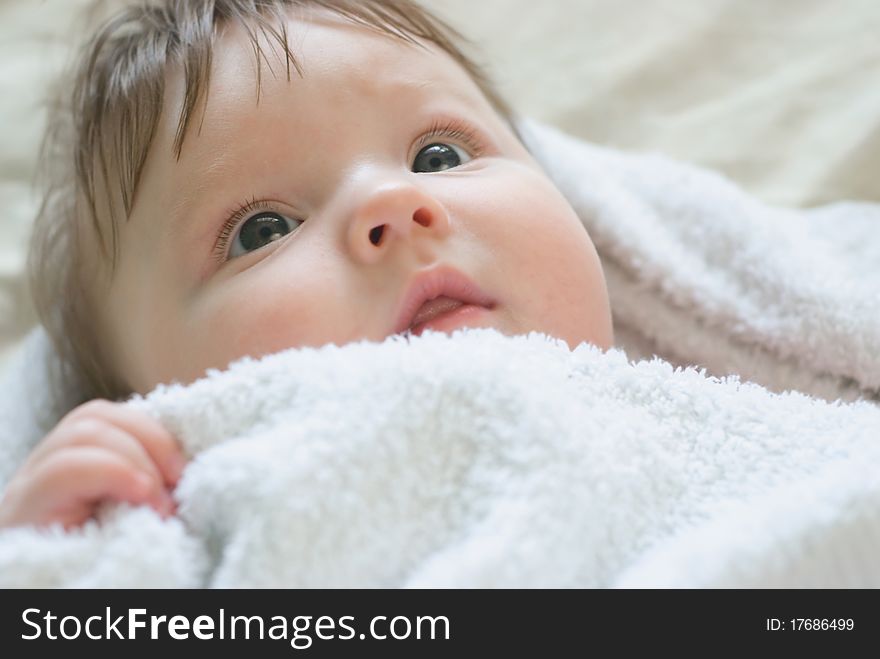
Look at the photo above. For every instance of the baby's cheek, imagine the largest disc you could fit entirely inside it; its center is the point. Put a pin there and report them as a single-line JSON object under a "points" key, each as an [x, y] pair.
{"points": [[557, 267], [258, 318]]}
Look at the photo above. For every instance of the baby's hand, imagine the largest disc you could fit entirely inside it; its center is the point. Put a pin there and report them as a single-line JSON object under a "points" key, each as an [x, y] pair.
{"points": [[100, 451]]}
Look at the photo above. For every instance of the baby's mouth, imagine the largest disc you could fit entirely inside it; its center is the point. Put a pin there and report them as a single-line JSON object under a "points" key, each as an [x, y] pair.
{"points": [[444, 314], [441, 298], [434, 308]]}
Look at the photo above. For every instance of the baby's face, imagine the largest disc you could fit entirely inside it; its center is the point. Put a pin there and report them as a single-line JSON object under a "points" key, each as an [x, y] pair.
{"points": [[303, 219]]}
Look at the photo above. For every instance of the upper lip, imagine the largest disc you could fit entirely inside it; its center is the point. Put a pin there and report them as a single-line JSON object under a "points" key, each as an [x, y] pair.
{"points": [[430, 284]]}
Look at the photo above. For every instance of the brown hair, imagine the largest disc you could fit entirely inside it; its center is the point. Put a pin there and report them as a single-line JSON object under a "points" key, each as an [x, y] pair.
{"points": [[101, 127]]}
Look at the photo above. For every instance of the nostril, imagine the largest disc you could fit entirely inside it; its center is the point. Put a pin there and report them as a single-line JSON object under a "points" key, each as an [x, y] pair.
{"points": [[423, 217], [376, 234]]}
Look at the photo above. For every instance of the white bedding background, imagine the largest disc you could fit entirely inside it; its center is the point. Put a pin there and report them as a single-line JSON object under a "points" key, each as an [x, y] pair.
{"points": [[784, 96]]}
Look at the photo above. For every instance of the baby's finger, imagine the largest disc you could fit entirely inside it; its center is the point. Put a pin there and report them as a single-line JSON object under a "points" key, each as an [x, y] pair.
{"points": [[160, 444], [89, 431], [90, 474]]}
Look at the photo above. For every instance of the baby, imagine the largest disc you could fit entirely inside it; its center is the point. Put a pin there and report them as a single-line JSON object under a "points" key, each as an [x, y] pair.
{"points": [[238, 177]]}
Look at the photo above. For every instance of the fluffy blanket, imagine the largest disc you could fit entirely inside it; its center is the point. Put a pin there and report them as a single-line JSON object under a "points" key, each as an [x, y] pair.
{"points": [[483, 460]]}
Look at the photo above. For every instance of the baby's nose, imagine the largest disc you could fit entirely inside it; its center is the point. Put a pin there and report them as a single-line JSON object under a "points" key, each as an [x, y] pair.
{"points": [[396, 212]]}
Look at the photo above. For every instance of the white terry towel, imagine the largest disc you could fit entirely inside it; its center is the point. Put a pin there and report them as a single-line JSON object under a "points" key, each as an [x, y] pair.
{"points": [[482, 460]]}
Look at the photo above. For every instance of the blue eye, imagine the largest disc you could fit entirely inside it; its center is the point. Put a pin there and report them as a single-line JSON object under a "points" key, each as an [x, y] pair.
{"points": [[258, 231], [439, 157]]}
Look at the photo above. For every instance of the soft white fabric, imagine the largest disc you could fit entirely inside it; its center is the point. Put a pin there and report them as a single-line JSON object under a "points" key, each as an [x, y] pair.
{"points": [[483, 460]]}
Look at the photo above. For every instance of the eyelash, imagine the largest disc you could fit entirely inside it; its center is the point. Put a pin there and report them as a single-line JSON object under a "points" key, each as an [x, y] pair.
{"points": [[452, 129], [245, 210]]}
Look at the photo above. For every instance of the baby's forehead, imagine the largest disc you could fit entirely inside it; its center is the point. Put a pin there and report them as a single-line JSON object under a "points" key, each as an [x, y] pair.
{"points": [[328, 58], [326, 44]]}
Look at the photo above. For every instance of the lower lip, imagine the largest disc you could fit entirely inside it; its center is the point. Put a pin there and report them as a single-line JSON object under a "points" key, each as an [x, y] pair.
{"points": [[465, 315]]}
